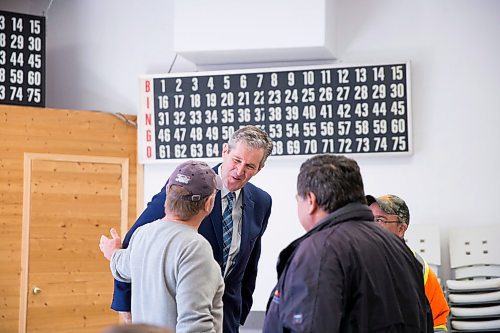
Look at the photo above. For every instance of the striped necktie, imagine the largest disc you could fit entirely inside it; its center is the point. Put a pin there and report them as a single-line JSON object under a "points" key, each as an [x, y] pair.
{"points": [[227, 229]]}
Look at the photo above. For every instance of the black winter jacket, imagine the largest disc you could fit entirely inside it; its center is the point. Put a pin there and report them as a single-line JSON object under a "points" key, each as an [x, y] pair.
{"points": [[348, 275]]}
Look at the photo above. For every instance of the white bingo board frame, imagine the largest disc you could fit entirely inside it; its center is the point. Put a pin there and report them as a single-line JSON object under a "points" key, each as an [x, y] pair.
{"points": [[307, 110]]}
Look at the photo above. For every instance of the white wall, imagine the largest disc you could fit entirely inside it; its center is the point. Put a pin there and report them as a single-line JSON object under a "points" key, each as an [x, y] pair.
{"points": [[97, 49]]}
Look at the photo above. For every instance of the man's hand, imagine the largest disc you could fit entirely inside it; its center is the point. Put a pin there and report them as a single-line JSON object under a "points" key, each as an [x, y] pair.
{"points": [[126, 317], [108, 246]]}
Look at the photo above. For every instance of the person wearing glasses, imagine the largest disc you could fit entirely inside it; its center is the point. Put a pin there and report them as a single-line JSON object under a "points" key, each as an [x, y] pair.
{"points": [[345, 274], [392, 213]]}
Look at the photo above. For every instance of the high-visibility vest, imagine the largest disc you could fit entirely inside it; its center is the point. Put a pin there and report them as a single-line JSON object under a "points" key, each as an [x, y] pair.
{"points": [[435, 296]]}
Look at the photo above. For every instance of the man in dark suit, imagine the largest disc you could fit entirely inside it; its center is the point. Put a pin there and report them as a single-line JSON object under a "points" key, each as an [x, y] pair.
{"points": [[234, 228]]}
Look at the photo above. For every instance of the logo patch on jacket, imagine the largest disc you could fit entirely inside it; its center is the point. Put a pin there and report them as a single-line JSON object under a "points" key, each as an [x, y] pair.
{"points": [[276, 296], [297, 318]]}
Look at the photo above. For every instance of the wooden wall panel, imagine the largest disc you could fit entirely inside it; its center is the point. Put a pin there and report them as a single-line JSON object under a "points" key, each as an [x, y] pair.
{"points": [[60, 257], [51, 131]]}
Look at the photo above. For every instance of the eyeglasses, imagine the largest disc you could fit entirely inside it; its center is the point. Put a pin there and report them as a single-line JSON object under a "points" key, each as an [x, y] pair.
{"points": [[384, 221]]}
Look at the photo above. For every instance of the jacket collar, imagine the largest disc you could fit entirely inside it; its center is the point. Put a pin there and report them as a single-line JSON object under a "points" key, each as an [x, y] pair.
{"points": [[352, 211]]}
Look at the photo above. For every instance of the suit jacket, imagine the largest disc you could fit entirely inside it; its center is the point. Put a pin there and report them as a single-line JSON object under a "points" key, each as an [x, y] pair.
{"points": [[240, 282]]}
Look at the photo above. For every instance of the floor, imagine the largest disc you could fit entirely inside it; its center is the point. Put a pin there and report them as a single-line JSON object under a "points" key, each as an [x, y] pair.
{"points": [[254, 322]]}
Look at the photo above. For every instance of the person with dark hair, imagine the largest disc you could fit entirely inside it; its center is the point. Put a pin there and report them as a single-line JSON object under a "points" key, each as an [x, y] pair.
{"points": [[346, 274], [234, 228], [176, 281], [392, 213]]}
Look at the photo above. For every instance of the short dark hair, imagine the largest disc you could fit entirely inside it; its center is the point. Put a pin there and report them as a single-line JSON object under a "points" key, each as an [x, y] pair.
{"points": [[255, 138], [177, 204], [334, 179]]}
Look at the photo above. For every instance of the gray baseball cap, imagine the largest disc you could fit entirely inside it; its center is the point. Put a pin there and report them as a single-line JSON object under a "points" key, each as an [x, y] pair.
{"points": [[197, 178]]}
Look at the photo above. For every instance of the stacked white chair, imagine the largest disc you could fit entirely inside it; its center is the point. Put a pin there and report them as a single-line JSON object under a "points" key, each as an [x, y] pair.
{"points": [[474, 293], [425, 240]]}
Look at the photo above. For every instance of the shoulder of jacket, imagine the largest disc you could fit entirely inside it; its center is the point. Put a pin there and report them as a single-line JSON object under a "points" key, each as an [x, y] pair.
{"points": [[251, 188]]}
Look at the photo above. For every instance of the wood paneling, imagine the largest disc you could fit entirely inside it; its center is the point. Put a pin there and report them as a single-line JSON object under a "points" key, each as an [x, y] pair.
{"points": [[25, 130], [61, 258]]}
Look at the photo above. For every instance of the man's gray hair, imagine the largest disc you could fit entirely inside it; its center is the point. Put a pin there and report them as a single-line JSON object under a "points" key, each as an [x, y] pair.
{"points": [[255, 138]]}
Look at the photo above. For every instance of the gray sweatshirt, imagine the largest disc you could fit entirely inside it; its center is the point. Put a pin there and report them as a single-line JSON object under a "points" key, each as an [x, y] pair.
{"points": [[176, 282]]}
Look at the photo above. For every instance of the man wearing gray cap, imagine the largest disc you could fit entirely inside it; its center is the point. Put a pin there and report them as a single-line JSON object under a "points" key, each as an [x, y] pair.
{"points": [[167, 259], [392, 213], [234, 229]]}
